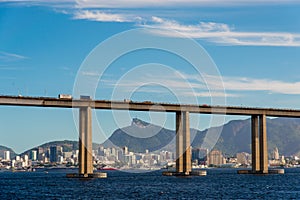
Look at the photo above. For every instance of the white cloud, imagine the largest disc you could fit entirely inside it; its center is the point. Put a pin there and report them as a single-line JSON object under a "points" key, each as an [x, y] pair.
{"points": [[218, 33], [272, 86], [244, 84], [10, 57], [96, 15], [195, 86], [223, 34], [184, 85]]}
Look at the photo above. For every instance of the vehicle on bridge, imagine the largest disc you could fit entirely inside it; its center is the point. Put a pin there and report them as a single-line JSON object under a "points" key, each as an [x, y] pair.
{"points": [[65, 96]]}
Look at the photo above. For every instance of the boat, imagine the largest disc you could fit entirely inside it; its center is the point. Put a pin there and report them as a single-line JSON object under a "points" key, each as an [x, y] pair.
{"points": [[107, 168]]}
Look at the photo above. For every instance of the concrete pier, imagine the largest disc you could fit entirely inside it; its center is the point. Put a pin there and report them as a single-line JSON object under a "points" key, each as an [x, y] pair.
{"points": [[85, 147], [183, 148], [259, 145], [263, 144], [187, 165], [255, 144], [85, 141], [179, 143], [183, 144]]}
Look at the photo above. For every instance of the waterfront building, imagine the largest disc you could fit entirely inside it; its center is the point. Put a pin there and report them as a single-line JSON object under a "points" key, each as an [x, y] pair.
{"points": [[243, 158], [275, 154], [18, 158], [68, 154], [40, 153], [7, 155], [33, 155], [120, 156], [13, 162], [215, 157], [107, 152], [200, 155], [25, 162], [60, 159], [101, 151], [55, 152], [125, 150]]}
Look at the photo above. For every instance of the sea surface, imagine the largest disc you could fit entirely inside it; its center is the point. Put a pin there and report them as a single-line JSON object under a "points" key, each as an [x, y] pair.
{"points": [[218, 184]]}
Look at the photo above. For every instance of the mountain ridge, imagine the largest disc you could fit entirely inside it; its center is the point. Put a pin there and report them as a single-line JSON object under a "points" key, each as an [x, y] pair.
{"points": [[235, 137]]}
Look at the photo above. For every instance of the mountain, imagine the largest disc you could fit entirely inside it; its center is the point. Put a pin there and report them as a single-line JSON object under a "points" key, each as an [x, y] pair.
{"points": [[4, 148], [283, 133], [140, 136], [234, 137]]}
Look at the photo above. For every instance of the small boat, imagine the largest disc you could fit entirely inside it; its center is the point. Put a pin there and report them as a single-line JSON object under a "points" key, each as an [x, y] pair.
{"points": [[107, 168]]}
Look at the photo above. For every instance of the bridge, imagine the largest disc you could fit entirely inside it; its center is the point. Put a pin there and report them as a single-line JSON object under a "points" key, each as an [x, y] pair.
{"points": [[183, 155]]}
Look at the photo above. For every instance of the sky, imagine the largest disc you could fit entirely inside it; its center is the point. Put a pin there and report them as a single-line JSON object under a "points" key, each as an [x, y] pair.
{"points": [[251, 46]]}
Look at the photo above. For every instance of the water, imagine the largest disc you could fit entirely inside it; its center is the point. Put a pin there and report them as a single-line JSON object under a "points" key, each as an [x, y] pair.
{"points": [[218, 184]]}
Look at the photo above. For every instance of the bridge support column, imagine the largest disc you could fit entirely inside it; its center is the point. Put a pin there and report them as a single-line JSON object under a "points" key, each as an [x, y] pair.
{"points": [[255, 144], [187, 165], [85, 147], [85, 142], [259, 144], [183, 146], [263, 144], [179, 143]]}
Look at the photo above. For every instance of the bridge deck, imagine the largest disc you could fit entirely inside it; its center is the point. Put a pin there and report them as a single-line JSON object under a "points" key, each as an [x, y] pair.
{"points": [[144, 106]]}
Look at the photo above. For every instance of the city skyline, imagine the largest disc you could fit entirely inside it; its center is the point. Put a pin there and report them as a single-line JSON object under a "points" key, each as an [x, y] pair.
{"points": [[254, 45]]}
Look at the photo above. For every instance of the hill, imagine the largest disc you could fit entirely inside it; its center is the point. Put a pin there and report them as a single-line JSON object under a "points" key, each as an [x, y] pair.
{"points": [[67, 145]]}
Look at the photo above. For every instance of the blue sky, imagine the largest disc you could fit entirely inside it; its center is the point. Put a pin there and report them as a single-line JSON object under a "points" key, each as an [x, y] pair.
{"points": [[254, 44]]}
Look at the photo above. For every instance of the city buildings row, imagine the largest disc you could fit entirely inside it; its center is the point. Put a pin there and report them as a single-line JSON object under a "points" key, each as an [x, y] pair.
{"points": [[124, 159]]}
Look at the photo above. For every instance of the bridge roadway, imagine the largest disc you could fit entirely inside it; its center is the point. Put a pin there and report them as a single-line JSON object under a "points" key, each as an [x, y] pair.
{"points": [[259, 147], [144, 106]]}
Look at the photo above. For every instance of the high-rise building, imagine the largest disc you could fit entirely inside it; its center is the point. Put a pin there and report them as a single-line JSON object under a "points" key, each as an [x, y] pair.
{"points": [[33, 155], [125, 150], [243, 158], [120, 156], [275, 154], [200, 154], [47, 153], [18, 158], [107, 152], [53, 154], [101, 151], [215, 157], [41, 153], [26, 161], [7, 155], [60, 159]]}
